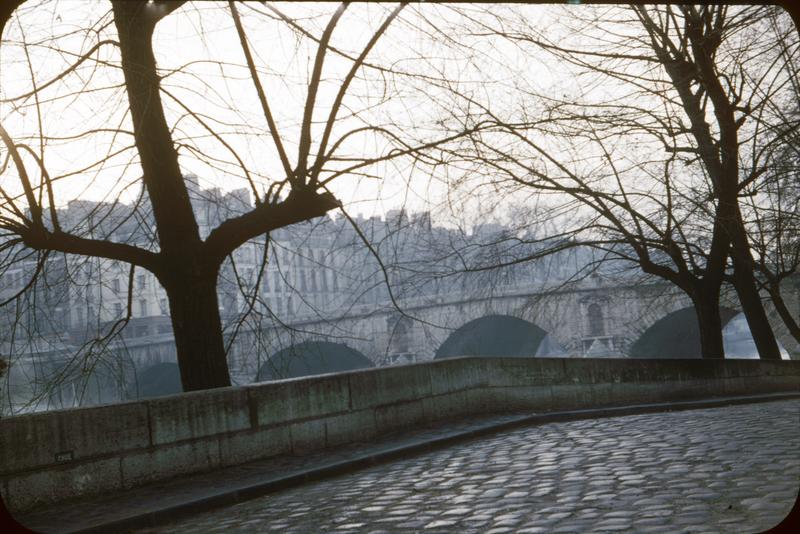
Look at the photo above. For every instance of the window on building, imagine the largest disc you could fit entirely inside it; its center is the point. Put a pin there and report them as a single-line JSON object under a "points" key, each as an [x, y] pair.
{"points": [[143, 307], [324, 279], [595, 313], [115, 285], [162, 303], [118, 309], [141, 281], [401, 336]]}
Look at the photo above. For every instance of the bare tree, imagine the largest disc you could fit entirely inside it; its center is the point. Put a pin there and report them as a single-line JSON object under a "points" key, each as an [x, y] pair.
{"points": [[185, 262], [774, 216], [661, 136]]}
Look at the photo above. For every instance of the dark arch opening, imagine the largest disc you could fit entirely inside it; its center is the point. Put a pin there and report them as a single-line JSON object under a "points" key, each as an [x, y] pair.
{"points": [[312, 358], [157, 380], [493, 335], [676, 335]]}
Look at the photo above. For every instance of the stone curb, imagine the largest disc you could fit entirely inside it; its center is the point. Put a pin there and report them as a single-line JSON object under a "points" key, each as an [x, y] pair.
{"points": [[322, 471]]}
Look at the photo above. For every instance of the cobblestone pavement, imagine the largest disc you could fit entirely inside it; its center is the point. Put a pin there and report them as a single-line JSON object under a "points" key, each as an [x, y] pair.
{"points": [[731, 469]]}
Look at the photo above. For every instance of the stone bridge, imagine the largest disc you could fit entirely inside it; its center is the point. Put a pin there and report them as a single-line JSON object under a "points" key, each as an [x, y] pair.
{"points": [[594, 318]]}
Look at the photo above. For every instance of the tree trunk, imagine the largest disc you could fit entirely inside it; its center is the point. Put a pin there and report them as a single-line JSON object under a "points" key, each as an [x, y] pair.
{"points": [[709, 320], [720, 157], [744, 282], [176, 225], [187, 274], [783, 311], [753, 309], [705, 294], [198, 331]]}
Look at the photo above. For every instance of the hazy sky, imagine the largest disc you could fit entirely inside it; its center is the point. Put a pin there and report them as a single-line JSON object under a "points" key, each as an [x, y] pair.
{"points": [[84, 114], [198, 50]]}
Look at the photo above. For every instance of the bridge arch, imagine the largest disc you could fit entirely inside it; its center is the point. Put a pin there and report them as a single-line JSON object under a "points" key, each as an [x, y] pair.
{"points": [[311, 358], [163, 378], [660, 341], [498, 335]]}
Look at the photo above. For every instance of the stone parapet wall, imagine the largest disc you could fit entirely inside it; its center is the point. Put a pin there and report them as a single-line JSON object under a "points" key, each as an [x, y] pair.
{"points": [[52, 456]]}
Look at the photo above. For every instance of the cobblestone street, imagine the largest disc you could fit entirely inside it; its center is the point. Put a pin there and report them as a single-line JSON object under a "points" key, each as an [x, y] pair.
{"points": [[731, 469]]}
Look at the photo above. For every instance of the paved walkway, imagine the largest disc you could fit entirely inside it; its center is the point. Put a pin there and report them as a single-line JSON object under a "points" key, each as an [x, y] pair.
{"points": [[724, 469], [731, 469]]}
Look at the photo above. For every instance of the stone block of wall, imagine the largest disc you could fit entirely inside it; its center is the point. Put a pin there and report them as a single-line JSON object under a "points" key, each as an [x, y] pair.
{"points": [[198, 414], [520, 398], [446, 406], [506, 372], [307, 435], [288, 400], [63, 436], [451, 375], [387, 385], [240, 447], [60, 482], [350, 427], [399, 415], [170, 460]]}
